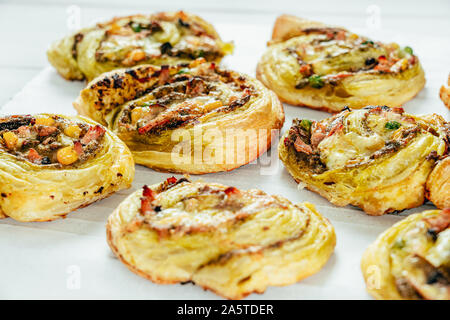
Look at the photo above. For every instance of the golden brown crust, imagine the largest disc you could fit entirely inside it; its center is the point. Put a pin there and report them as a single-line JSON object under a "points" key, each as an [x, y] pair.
{"points": [[325, 82], [246, 263], [444, 94], [245, 105], [438, 184]]}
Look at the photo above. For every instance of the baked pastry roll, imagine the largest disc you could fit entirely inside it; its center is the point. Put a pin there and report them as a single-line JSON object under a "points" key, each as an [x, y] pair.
{"points": [[411, 260], [161, 38], [194, 118], [51, 165], [230, 241], [312, 64], [438, 184], [376, 158], [444, 93]]}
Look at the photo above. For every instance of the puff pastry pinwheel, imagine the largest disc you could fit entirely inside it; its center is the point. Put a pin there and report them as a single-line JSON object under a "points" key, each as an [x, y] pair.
{"points": [[195, 118], [444, 93], [230, 241], [51, 165], [376, 158], [312, 64], [161, 38], [411, 260]]}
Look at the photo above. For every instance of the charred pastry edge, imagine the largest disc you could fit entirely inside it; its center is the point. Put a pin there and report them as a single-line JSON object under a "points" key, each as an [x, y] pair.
{"points": [[378, 254], [289, 26], [135, 82], [111, 242], [428, 195], [121, 178]]}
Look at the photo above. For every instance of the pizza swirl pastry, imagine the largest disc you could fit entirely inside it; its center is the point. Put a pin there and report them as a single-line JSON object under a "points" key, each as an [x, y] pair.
{"points": [[411, 260], [161, 38], [377, 158], [152, 108], [53, 164], [230, 241], [323, 67]]}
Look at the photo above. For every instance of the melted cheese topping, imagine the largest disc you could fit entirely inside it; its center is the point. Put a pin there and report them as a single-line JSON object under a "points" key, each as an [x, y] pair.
{"points": [[416, 258], [362, 135]]}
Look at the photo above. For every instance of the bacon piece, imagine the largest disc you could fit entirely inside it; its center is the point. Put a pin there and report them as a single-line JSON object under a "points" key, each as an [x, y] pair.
{"points": [[24, 131], [318, 134], [164, 75], [78, 147], [195, 87], [398, 110], [335, 128], [178, 115], [330, 34], [341, 35], [383, 64], [440, 222], [301, 146], [46, 131], [148, 195], [34, 156], [93, 134], [339, 76]]}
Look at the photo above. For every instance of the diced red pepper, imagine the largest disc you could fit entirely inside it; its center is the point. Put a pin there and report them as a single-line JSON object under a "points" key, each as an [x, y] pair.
{"points": [[93, 134], [34, 156], [46, 131]]}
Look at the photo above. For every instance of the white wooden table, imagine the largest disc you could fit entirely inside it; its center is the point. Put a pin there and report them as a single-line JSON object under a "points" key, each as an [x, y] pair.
{"points": [[39, 259]]}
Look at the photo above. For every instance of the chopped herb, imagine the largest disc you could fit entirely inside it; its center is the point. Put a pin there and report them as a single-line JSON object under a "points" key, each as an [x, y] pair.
{"points": [[316, 81], [136, 27], [399, 243], [146, 104], [408, 50], [392, 125], [367, 42], [183, 71], [201, 54], [306, 124]]}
